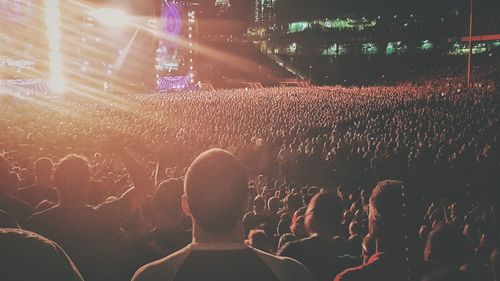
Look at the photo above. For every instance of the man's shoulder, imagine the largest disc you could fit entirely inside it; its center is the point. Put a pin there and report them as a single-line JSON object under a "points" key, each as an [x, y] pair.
{"points": [[353, 274], [15, 206], [164, 269], [365, 271], [300, 244], [13, 200], [306, 240], [26, 188], [279, 260], [361, 272], [285, 269], [47, 212], [45, 216]]}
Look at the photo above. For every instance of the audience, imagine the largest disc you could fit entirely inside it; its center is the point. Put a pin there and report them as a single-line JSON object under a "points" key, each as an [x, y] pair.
{"points": [[113, 213]]}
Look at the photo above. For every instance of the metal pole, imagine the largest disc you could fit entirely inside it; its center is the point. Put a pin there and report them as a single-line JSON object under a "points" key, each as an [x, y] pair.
{"points": [[470, 46]]}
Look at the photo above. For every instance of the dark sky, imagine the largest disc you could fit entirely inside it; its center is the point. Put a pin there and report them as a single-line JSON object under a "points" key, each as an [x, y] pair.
{"points": [[329, 8], [325, 8], [296, 9]]}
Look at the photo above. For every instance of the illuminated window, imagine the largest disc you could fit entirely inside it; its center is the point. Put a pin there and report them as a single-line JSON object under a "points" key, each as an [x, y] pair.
{"points": [[338, 24], [395, 48], [369, 49], [292, 48], [298, 26], [335, 50], [426, 45]]}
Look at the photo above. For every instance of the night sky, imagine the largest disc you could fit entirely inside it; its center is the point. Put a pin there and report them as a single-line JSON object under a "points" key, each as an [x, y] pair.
{"points": [[300, 9]]}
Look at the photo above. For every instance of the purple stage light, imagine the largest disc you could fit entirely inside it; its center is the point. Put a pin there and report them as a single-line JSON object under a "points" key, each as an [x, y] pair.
{"points": [[169, 83], [171, 19]]}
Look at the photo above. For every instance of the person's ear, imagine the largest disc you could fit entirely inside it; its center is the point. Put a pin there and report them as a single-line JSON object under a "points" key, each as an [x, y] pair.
{"points": [[185, 205]]}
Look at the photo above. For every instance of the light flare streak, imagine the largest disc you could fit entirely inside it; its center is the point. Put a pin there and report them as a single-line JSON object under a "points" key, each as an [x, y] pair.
{"points": [[53, 25]]}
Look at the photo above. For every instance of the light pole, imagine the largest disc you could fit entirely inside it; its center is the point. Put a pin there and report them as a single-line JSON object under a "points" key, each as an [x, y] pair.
{"points": [[470, 46]]}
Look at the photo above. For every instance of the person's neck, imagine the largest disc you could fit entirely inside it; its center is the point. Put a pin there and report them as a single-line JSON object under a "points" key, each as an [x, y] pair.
{"points": [[233, 236]]}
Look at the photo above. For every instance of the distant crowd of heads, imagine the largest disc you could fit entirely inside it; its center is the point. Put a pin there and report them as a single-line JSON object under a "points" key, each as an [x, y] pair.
{"points": [[410, 169]]}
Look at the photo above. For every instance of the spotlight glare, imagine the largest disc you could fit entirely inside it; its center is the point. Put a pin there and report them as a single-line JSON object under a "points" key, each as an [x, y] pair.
{"points": [[109, 16], [53, 23]]}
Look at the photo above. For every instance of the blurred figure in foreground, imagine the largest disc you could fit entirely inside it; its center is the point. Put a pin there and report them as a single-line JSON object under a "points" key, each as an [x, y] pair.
{"points": [[27, 256]]}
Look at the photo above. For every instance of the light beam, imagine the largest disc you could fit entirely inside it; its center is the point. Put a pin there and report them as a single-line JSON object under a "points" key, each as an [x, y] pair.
{"points": [[53, 24], [109, 16]]}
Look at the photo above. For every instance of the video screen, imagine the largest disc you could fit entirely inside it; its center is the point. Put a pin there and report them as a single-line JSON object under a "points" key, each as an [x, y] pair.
{"points": [[172, 52]]}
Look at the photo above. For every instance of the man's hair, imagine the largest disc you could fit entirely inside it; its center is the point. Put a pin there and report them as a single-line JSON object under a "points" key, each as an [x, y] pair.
{"points": [[394, 217], [43, 165], [394, 210], [259, 202], [71, 173], [216, 189], [326, 208], [273, 204], [293, 201]]}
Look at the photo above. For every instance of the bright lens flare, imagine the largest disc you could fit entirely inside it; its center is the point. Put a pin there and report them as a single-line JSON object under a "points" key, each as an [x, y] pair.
{"points": [[53, 24], [109, 16]]}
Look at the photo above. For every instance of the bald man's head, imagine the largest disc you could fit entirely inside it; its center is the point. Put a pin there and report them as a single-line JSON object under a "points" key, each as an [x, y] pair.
{"points": [[216, 190]]}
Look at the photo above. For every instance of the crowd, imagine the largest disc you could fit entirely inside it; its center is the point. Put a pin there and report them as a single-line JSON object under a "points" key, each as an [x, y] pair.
{"points": [[359, 183]]}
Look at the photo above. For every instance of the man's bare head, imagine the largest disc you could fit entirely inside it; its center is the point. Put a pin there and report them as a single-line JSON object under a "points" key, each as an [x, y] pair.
{"points": [[216, 187]]}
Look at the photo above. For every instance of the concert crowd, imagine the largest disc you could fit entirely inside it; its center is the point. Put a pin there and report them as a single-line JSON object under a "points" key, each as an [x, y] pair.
{"points": [[352, 183]]}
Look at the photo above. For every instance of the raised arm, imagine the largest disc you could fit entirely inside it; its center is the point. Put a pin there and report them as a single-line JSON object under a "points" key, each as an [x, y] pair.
{"points": [[159, 157], [142, 185], [160, 171]]}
